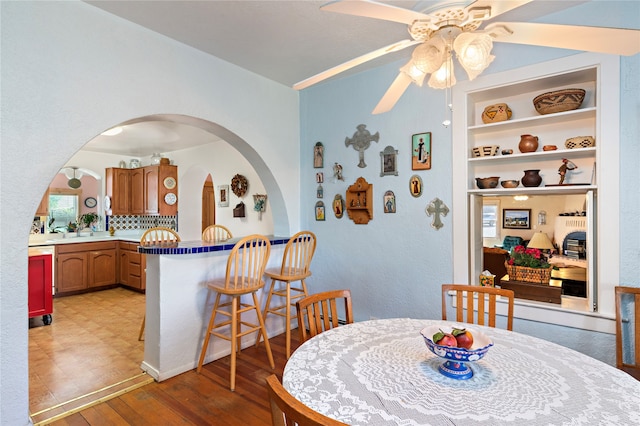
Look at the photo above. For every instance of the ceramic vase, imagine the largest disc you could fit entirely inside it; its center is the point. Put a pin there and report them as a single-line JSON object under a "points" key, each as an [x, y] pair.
{"points": [[528, 143], [531, 178]]}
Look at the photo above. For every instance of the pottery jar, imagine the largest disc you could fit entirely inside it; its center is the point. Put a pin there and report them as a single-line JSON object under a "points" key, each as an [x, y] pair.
{"points": [[528, 143], [531, 178]]}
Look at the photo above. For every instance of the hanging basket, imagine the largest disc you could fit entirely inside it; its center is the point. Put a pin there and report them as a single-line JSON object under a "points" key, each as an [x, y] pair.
{"points": [[530, 275]]}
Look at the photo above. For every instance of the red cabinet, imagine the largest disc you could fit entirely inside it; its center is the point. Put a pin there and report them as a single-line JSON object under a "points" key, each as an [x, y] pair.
{"points": [[40, 287]]}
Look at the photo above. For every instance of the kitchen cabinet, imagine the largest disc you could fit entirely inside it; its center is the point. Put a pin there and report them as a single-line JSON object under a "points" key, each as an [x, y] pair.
{"points": [[40, 287], [161, 190], [43, 208], [83, 266], [118, 189], [150, 190], [131, 266], [137, 191]]}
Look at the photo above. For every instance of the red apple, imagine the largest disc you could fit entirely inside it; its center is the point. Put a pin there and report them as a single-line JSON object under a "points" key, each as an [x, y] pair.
{"points": [[463, 337], [444, 339]]}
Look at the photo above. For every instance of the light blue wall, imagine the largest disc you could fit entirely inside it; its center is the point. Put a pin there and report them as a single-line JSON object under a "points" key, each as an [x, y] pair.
{"points": [[396, 264]]}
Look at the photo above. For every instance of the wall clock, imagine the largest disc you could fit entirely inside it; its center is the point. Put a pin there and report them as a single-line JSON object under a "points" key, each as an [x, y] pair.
{"points": [[90, 202], [239, 185], [169, 182], [170, 198]]}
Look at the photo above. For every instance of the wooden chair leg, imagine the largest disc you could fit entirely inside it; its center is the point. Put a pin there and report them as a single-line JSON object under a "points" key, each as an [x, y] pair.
{"points": [[288, 321], [266, 308], [141, 333], [207, 335], [263, 330], [234, 334]]}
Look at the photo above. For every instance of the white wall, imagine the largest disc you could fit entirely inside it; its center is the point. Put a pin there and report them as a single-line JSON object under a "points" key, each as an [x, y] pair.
{"points": [[396, 264], [70, 71]]}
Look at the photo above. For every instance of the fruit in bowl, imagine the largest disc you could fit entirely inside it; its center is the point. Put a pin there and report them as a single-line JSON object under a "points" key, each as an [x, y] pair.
{"points": [[456, 356]]}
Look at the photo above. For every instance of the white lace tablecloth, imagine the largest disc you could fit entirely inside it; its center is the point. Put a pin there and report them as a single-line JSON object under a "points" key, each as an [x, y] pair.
{"points": [[381, 373]]}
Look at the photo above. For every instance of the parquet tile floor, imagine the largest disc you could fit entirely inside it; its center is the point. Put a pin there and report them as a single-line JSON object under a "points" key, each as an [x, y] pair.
{"points": [[92, 343]]}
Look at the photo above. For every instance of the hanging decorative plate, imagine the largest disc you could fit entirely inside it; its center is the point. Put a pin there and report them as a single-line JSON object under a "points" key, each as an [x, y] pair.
{"points": [[169, 182], [107, 202], [170, 198], [239, 185], [90, 202]]}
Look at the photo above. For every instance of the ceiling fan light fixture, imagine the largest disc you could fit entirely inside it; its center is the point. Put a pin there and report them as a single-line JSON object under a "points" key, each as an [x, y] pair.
{"points": [[112, 131], [430, 55], [444, 77], [74, 180], [473, 51], [414, 73]]}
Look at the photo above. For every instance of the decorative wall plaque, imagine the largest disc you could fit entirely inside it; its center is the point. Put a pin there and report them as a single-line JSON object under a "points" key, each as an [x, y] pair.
{"points": [[361, 141]]}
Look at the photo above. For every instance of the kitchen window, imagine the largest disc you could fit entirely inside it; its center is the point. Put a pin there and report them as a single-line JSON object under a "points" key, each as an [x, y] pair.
{"points": [[63, 208]]}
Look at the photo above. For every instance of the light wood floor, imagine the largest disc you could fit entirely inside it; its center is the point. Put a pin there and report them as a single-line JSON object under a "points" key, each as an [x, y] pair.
{"points": [[92, 343]]}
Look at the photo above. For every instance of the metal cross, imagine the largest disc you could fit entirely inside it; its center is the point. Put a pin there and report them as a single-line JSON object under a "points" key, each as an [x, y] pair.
{"points": [[361, 140], [436, 208]]}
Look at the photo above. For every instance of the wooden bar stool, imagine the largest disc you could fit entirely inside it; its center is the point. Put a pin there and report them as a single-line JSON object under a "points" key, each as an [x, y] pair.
{"points": [[245, 267], [215, 233], [295, 267], [156, 236]]}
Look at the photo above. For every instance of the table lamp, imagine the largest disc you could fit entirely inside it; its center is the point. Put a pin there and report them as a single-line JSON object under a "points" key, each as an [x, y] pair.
{"points": [[541, 241]]}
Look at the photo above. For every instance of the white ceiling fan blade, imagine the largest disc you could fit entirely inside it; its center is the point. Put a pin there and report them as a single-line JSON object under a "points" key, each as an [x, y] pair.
{"points": [[615, 41], [372, 9], [353, 62], [393, 93], [498, 7]]}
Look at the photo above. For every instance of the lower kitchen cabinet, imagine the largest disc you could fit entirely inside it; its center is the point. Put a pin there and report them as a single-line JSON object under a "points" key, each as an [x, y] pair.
{"points": [[82, 266], [132, 266]]}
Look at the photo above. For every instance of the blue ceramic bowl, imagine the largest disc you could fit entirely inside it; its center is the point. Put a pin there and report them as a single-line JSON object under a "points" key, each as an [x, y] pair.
{"points": [[455, 358]]}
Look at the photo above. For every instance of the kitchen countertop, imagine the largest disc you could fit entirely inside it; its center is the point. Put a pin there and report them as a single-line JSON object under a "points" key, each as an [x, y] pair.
{"points": [[36, 240]]}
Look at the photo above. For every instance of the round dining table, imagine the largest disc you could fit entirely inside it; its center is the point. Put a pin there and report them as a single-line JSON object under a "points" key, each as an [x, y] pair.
{"points": [[380, 372]]}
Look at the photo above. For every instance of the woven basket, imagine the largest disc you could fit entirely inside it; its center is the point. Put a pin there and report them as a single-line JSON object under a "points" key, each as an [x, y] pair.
{"points": [[530, 275], [485, 151], [559, 101], [580, 142]]}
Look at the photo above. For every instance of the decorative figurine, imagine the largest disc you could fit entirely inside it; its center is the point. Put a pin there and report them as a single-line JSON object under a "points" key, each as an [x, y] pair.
{"points": [[361, 140], [337, 172], [566, 166]]}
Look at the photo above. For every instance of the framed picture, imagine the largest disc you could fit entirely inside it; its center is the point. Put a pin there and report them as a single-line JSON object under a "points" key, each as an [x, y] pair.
{"points": [[320, 192], [318, 156], [319, 210], [415, 185], [389, 199], [516, 218], [319, 177], [421, 151], [389, 162], [223, 195], [338, 206]]}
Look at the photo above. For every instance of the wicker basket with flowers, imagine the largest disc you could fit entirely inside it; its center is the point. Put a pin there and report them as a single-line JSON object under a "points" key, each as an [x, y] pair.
{"points": [[529, 265]]}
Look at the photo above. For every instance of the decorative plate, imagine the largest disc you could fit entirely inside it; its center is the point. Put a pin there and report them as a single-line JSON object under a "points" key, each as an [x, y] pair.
{"points": [[107, 202], [90, 202], [170, 198], [169, 182], [239, 185]]}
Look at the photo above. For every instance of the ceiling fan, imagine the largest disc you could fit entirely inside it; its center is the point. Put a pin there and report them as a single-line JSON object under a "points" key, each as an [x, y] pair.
{"points": [[454, 26]]}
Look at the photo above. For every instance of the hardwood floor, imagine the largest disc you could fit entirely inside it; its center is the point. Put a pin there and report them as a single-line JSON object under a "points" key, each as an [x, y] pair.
{"points": [[70, 366]]}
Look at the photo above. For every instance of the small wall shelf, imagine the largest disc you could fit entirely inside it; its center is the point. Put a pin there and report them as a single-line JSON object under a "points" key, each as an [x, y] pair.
{"points": [[360, 201]]}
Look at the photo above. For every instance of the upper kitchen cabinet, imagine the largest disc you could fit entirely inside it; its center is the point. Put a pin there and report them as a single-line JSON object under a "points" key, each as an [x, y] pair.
{"points": [[150, 190], [43, 208], [118, 189]]}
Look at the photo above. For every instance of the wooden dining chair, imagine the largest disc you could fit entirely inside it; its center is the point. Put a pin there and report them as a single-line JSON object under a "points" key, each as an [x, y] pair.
{"points": [[215, 233], [286, 410], [245, 268], [296, 262], [155, 236], [321, 312], [476, 298], [628, 330]]}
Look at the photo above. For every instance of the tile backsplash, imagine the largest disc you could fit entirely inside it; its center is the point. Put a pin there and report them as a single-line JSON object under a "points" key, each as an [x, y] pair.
{"points": [[123, 222]]}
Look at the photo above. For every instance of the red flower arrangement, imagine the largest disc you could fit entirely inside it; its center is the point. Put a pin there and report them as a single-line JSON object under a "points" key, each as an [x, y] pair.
{"points": [[528, 257]]}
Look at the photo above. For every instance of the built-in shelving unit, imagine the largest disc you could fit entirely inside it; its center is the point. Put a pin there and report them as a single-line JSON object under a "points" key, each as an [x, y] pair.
{"points": [[596, 175]]}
